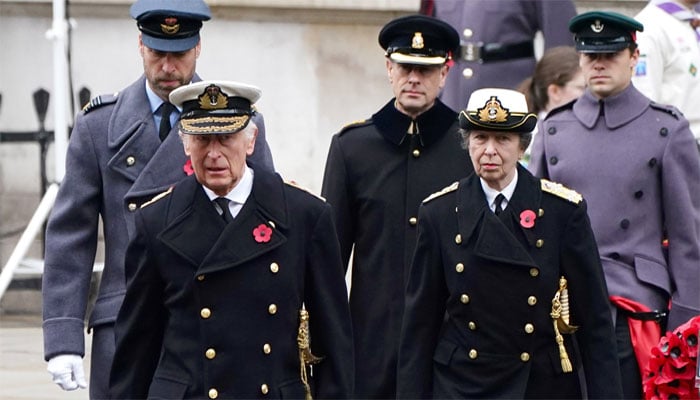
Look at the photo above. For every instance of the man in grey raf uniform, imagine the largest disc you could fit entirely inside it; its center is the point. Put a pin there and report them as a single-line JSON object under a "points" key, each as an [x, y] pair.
{"points": [[377, 173], [636, 163], [122, 151], [221, 266]]}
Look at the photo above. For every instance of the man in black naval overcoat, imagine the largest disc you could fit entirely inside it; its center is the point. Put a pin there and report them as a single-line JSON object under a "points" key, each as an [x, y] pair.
{"points": [[222, 266], [505, 270], [377, 173]]}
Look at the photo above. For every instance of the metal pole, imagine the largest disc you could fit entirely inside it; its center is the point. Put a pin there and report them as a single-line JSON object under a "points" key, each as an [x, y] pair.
{"points": [[59, 34], [25, 241]]}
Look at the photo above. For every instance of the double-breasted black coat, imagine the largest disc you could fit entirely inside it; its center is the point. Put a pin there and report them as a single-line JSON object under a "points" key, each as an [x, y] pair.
{"points": [[376, 176], [211, 310], [477, 320]]}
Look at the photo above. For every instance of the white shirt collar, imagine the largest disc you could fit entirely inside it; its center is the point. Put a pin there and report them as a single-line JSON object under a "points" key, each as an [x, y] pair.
{"points": [[492, 193], [239, 194]]}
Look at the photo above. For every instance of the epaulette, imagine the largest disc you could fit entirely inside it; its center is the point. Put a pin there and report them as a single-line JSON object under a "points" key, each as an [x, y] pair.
{"points": [[157, 197], [562, 191], [563, 107], [100, 101], [445, 190], [354, 124], [676, 113], [296, 185]]}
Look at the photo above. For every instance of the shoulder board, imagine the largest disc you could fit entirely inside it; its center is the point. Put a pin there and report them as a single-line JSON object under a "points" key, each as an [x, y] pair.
{"points": [[296, 185], [562, 191], [157, 197], [355, 124], [100, 101], [676, 113], [439, 193], [556, 110]]}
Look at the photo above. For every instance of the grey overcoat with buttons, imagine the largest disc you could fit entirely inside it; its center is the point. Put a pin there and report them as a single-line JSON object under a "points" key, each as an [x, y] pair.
{"points": [[212, 312], [638, 167], [503, 22], [115, 162]]}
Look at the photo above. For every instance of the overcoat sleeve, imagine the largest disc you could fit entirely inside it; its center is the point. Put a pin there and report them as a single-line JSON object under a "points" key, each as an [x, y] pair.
{"points": [[336, 190], [426, 294], [71, 241], [681, 208]]}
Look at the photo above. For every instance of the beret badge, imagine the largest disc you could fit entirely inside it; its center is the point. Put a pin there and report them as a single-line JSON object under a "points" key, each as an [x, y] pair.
{"points": [[170, 26], [493, 111]]}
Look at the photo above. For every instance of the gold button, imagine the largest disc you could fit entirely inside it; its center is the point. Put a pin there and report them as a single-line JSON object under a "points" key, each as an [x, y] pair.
{"points": [[264, 389], [274, 268], [524, 357], [205, 313], [413, 221], [132, 206], [464, 298], [467, 73], [210, 354], [467, 33], [458, 239], [472, 325], [473, 354], [459, 268], [213, 393], [416, 153], [267, 348], [534, 272], [272, 309], [540, 212], [130, 161], [532, 300], [539, 243], [529, 328], [200, 277]]}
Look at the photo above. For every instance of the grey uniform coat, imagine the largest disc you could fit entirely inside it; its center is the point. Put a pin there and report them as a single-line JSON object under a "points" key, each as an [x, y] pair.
{"points": [[500, 22], [211, 312], [115, 163], [477, 321], [376, 176], [637, 165]]}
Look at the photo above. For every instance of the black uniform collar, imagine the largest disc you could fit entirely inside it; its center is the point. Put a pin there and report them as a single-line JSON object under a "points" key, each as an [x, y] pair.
{"points": [[432, 124]]}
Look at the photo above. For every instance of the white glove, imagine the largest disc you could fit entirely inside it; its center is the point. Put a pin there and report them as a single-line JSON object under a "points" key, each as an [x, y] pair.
{"points": [[67, 371]]}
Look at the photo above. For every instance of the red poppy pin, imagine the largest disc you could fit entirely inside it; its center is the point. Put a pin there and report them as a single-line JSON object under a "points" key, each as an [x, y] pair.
{"points": [[188, 167], [527, 219], [262, 233]]}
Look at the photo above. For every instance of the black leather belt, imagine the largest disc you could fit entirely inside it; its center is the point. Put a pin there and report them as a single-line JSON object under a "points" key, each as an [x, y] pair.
{"points": [[490, 52], [658, 316]]}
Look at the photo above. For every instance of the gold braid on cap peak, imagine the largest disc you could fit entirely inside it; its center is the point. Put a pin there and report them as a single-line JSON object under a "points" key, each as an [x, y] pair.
{"points": [[560, 319], [305, 355]]}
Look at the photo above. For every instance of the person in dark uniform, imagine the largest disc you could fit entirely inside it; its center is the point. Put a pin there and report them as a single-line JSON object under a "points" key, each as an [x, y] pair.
{"points": [[504, 273], [636, 163], [220, 268], [376, 175], [498, 40], [122, 151]]}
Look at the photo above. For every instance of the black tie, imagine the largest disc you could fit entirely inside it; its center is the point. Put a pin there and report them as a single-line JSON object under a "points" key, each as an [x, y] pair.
{"points": [[226, 212], [499, 200], [165, 110]]}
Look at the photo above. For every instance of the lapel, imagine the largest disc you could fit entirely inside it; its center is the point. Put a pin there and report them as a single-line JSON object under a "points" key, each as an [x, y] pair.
{"points": [[493, 239], [198, 233]]}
